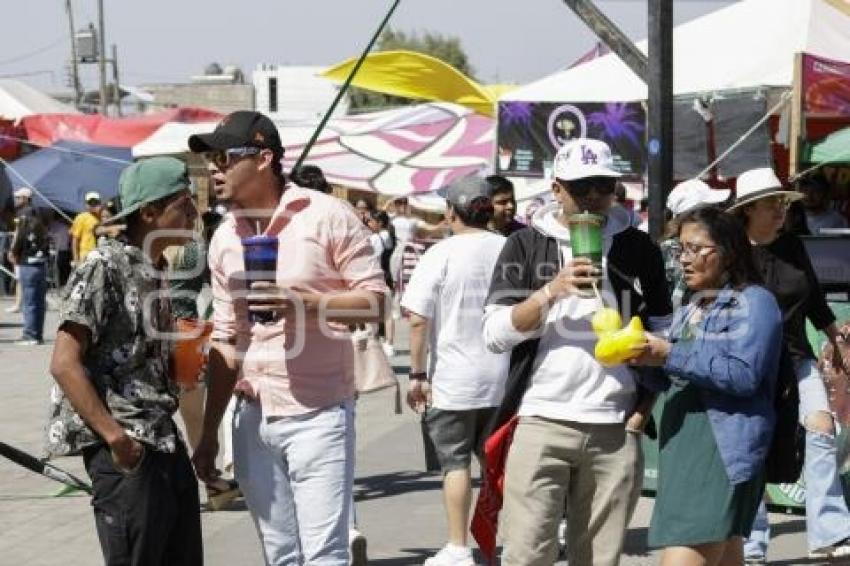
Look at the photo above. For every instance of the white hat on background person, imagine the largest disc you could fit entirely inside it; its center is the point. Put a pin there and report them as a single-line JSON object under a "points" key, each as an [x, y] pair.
{"points": [[23, 192], [760, 183], [582, 158], [694, 193]]}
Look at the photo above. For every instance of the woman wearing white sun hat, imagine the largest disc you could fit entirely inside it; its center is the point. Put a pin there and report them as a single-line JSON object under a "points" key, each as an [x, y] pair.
{"points": [[761, 202]]}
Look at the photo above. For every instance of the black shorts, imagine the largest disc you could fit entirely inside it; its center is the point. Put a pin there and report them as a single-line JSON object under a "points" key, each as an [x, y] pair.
{"points": [[457, 435]]}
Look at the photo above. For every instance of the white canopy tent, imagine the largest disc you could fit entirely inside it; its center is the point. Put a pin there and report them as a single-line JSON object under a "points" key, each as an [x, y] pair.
{"points": [[744, 45], [18, 99], [172, 138]]}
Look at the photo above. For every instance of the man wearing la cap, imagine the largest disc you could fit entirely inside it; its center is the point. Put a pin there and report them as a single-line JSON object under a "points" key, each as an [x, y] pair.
{"points": [[445, 297], [83, 237], [686, 196], [577, 440], [761, 202], [114, 397], [293, 428]]}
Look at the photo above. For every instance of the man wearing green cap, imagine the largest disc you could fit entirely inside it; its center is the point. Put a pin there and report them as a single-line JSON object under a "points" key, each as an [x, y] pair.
{"points": [[114, 399]]}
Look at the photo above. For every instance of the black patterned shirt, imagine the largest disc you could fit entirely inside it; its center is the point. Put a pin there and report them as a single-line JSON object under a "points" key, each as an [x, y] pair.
{"points": [[120, 298]]}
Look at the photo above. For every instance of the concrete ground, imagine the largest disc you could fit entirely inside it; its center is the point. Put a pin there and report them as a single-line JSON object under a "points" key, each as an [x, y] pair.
{"points": [[399, 505]]}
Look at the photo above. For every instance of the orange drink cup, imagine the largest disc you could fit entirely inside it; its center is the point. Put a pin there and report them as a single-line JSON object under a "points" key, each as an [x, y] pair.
{"points": [[189, 353]]}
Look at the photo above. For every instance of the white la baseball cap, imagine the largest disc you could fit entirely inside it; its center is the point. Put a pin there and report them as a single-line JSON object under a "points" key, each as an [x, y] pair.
{"points": [[692, 194], [583, 157]]}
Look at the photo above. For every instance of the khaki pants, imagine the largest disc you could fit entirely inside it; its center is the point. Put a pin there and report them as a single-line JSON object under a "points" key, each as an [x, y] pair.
{"points": [[595, 470]]}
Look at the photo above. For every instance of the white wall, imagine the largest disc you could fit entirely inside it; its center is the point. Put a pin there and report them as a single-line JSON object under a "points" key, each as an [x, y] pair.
{"points": [[302, 95]]}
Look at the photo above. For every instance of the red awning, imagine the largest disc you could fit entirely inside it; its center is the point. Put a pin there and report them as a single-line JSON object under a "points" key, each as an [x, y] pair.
{"points": [[45, 129]]}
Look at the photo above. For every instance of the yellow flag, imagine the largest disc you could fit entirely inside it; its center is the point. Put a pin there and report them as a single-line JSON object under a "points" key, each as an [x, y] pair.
{"points": [[415, 75]]}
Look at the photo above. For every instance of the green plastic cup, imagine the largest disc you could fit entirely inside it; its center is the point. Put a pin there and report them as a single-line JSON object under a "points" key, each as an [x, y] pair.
{"points": [[586, 236]]}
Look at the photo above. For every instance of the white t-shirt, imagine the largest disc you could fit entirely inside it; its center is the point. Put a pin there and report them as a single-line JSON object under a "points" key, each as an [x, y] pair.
{"points": [[405, 227], [449, 287], [377, 245]]}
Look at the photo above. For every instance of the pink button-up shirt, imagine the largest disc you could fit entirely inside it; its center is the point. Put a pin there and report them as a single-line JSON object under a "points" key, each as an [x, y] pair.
{"points": [[299, 364]]}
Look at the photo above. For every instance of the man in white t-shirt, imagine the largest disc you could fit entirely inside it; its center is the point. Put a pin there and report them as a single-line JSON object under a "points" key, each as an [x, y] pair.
{"points": [[464, 382]]}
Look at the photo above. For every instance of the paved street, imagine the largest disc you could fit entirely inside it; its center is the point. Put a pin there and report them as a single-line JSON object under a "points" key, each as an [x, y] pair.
{"points": [[399, 506]]}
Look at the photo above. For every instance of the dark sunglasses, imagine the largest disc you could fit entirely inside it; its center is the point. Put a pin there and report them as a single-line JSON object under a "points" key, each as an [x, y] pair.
{"points": [[224, 158], [581, 188]]}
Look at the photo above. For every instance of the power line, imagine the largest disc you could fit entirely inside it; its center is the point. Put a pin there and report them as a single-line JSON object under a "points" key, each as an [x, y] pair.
{"points": [[33, 53], [29, 74]]}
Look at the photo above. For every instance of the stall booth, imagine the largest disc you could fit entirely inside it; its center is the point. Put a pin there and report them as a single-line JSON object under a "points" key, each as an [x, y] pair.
{"points": [[735, 94]]}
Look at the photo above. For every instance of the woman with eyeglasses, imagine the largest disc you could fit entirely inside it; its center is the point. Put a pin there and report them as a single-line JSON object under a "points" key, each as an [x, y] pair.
{"points": [[722, 360], [762, 204]]}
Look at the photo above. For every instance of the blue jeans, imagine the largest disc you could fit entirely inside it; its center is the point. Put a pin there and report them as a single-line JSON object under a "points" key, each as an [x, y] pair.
{"points": [[297, 475], [827, 515], [33, 281]]}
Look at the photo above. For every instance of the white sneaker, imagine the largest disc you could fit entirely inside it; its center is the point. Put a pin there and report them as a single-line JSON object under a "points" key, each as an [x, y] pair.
{"points": [[388, 349], [13, 309], [357, 548], [451, 556], [838, 550]]}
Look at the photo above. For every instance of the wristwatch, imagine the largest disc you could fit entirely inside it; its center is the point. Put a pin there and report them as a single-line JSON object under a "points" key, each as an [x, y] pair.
{"points": [[418, 376]]}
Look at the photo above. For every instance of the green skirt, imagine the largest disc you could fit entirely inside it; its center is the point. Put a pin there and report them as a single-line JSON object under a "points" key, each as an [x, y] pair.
{"points": [[694, 502]]}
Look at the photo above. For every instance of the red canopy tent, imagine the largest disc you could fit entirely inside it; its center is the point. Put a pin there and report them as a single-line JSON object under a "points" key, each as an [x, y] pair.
{"points": [[45, 129]]}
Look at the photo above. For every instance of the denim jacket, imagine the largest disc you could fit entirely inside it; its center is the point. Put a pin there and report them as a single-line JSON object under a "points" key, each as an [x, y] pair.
{"points": [[732, 355]]}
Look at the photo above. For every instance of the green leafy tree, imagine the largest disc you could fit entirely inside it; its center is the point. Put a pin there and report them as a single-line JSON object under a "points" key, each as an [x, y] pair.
{"points": [[447, 49]]}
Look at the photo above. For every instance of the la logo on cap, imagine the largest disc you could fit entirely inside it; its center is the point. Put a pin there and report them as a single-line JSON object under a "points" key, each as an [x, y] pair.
{"points": [[259, 137], [588, 157]]}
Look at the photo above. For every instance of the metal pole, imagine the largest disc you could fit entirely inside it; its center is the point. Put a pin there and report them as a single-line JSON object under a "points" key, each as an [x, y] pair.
{"points": [[660, 111], [75, 70], [116, 86], [101, 57], [344, 87], [610, 34]]}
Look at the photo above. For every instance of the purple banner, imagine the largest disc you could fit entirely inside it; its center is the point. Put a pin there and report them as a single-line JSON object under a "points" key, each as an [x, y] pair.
{"points": [[530, 133]]}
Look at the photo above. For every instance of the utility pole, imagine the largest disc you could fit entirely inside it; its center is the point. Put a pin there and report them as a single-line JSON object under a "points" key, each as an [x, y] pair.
{"points": [[101, 59], [75, 71], [660, 111], [116, 85]]}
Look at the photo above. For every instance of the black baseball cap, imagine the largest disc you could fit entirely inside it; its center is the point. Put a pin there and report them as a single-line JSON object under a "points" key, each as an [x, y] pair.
{"points": [[243, 128]]}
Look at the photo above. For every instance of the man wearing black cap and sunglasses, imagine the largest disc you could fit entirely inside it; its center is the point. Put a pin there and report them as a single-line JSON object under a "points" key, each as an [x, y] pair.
{"points": [[293, 427], [577, 441]]}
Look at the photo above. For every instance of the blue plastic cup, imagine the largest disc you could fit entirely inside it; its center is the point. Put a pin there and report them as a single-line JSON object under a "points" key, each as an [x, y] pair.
{"points": [[260, 255]]}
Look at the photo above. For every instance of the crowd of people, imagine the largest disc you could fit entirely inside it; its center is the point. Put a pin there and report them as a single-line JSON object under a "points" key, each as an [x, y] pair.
{"points": [[502, 338]]}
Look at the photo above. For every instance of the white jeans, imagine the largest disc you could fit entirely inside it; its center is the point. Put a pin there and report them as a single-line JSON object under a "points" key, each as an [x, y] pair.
{"points": [[296, 474]]}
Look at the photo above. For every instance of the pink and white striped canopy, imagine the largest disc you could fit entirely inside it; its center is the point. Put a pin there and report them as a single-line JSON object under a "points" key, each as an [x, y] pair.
{"points": [[414, 149]]}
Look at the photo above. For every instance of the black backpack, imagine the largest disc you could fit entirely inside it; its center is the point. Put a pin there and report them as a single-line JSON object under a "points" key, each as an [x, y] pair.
{"points": [[784, 461]]}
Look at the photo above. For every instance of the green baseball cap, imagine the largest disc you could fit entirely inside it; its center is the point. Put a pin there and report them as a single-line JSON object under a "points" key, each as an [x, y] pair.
{"points": [[149, 180]]}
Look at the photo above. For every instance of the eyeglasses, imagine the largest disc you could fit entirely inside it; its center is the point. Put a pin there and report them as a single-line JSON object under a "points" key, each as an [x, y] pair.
{"points": [[694, 251], [224, 158], [581, 188]]}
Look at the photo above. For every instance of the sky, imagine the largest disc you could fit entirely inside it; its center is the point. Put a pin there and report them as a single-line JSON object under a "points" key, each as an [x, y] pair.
{"points": [[507, 41]]}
